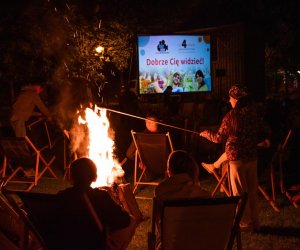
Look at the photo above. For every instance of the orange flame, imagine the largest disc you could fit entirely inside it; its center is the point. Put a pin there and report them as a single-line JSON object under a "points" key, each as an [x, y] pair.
{"points": [[101, 147]]}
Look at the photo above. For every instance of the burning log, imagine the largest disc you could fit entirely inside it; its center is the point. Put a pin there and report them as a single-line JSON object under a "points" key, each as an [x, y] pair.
{"points": [[123, 195], [109, 172]]}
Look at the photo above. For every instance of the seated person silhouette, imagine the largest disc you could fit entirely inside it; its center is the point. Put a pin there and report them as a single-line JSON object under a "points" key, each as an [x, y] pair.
{"points": [[88, 214], [25, 107], [183, 178], [182, 182], [151, 120]]}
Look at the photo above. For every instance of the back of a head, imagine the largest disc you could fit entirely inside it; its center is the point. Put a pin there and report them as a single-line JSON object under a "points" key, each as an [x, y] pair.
{"points": [[179, 162], [240, 93], [83, 171]]}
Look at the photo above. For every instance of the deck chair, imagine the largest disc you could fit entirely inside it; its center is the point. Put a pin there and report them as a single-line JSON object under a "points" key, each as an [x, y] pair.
{"points": [[17, 231], [152, 151], [223, 181], [202, 223], [277, 160], [39, 132], [20, 152], [40, 210], [62, 225], [67, 157]]}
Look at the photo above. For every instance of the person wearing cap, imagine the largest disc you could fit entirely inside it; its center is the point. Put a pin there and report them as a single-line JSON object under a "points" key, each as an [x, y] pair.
{"points": [[24, 108], [240, 130]]}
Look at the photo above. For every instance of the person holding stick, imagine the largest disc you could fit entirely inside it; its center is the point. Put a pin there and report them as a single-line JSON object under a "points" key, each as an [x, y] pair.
{"points": [[240, 129]]}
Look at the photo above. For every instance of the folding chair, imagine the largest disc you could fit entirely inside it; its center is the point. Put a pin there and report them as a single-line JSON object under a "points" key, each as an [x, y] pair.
{"points": [[223, 181], [17, 231], [19, 152], [199, 223], [152, 151], [67, 157], [41, 213], [39, 125], [277, 160]]}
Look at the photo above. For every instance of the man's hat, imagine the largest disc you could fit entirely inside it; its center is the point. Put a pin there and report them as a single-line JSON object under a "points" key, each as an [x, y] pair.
{"points": [[238, 91]]}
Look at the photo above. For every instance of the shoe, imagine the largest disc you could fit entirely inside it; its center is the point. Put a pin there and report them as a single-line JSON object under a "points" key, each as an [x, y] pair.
{"points": [[255, 228], [246, 227], [29, 173], [209, 167]]}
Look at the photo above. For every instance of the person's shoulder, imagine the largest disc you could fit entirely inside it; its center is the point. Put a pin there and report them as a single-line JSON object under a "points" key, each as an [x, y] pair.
{"points": [[67, 196], [162, 186], [65, 191], [100, 193], [199, 192], [170, 185], [228, 114]]}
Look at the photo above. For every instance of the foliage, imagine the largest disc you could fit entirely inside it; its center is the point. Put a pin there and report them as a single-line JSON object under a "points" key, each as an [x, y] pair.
{"points": [[56, 40], [82, 36]]}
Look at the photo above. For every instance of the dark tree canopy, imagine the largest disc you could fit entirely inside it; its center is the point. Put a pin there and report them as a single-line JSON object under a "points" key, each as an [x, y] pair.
{"points": [[56, 40]]}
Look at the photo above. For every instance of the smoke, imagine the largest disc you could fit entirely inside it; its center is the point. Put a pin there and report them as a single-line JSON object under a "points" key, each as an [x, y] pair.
{"points": [[79, 136]]}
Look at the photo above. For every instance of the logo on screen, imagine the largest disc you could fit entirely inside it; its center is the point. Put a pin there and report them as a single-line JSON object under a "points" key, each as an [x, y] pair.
{"points": [[183, 43], [162, 46]]}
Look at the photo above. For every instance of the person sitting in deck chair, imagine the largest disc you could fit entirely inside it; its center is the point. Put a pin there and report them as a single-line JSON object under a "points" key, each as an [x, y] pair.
{"points": [[90, 216], [182, 182]]}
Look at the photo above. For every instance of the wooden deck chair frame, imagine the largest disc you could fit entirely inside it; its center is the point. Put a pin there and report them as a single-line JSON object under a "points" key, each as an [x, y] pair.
{"points": [[67, 163], [277, 158], [22, 148], [223, 181], [208, 223], [18, 231], [140, 159], [282, 150], [45, 125]]}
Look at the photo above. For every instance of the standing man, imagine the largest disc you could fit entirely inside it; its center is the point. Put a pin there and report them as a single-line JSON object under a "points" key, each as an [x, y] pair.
{"points": [[24, 107]]}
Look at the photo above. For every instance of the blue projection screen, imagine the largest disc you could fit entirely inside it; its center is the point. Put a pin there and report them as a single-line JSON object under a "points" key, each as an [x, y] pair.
{"points": [[182, 62]]}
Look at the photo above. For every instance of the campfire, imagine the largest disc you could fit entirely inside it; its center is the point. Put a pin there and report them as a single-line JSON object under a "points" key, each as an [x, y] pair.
{"points": [[100, 148]]}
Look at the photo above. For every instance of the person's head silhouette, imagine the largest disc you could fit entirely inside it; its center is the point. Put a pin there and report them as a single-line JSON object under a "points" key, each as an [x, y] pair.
{"points": [[83, 172]]}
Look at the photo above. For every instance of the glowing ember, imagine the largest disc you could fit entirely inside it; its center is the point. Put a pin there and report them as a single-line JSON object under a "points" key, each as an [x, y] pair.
{"points": [[101, 146]]}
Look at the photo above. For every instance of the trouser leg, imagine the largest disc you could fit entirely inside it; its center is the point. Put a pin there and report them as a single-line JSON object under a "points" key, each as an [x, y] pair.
{"points": [[243, 178], [19, 128], [252, 184]]}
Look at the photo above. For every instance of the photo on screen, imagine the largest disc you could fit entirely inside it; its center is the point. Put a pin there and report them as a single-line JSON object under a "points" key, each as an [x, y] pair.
{"points": [[175, 63]]}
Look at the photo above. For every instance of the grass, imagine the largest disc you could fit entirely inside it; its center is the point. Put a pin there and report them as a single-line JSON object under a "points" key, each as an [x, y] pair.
{"points": [[280, 230]]}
